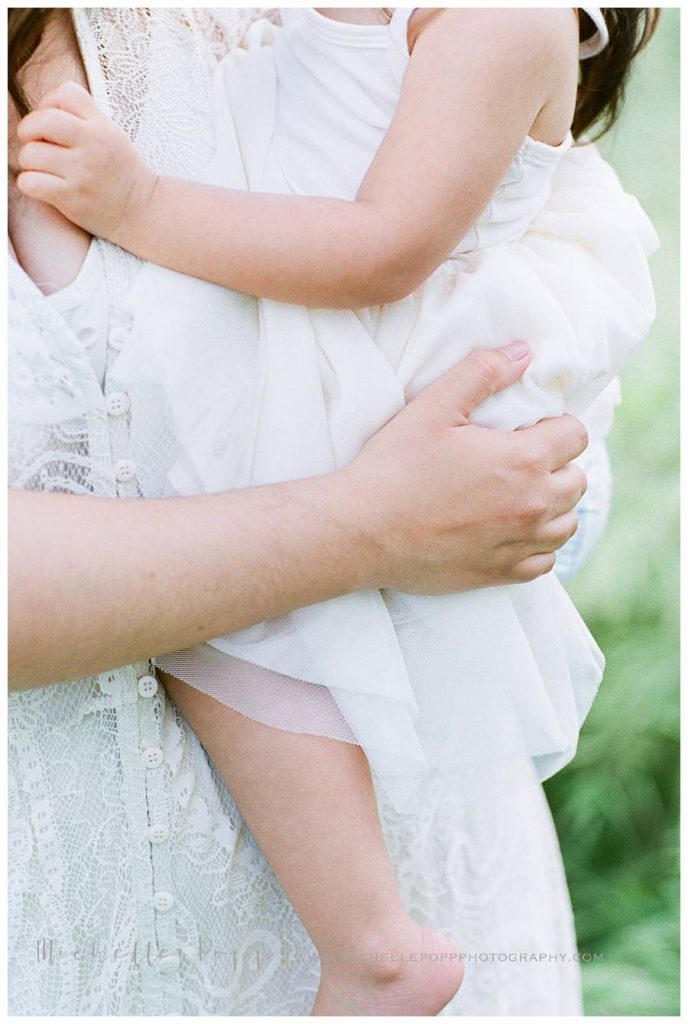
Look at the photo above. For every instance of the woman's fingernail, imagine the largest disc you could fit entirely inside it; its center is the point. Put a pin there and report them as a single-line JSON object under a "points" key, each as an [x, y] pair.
{"points": [[516, 350]]}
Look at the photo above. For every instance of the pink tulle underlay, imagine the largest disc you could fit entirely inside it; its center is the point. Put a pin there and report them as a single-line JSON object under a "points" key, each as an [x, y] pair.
{"points": [[259, 693]]}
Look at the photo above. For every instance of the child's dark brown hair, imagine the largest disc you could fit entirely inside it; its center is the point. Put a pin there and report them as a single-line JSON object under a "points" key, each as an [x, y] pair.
{"points": [[602, 78]]}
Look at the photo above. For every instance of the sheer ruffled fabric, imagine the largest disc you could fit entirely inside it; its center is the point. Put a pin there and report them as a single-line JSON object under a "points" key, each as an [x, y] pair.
{"points": [[480, 681]]}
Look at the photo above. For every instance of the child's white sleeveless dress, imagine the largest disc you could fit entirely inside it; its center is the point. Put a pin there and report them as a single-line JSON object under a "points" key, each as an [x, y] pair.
{"points": [[480, 681]]}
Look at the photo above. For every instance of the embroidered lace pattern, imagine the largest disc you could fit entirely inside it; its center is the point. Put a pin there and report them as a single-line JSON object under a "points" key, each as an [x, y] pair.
{"points": [[134, 886]]}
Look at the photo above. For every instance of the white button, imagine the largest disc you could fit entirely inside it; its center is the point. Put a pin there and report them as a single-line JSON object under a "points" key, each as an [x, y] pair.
{"points": [[152, 757], [148, 686], [163, 900], [87, 336], [117, 403], [125, 470], [158, 833], [118, 335], [168, 963]]}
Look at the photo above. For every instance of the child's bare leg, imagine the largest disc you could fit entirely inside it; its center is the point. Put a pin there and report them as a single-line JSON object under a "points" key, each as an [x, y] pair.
{"points": [[310, 804]]}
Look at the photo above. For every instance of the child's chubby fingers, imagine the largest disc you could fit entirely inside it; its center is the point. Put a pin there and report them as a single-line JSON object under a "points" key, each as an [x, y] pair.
{"points": [[51, 125], [46, 188], [44, 157], [70, 97]]}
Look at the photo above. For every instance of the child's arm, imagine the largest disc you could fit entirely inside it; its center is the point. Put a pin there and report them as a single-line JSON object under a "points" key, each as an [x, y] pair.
{"points": [[476, 83]]}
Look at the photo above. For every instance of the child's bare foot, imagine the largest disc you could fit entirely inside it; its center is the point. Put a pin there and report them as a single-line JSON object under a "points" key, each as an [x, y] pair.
{"points": [[415, 974]]}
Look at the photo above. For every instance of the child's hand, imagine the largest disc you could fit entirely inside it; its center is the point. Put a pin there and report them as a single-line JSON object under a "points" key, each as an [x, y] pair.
{"points": [[75, 158]]}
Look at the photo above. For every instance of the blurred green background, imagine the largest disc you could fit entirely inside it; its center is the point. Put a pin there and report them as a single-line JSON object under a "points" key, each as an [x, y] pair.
{"points": [[616, 805]]}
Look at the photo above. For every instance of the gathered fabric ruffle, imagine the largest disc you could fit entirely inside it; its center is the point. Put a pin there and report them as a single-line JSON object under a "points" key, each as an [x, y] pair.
{"points": [[263, 391]]}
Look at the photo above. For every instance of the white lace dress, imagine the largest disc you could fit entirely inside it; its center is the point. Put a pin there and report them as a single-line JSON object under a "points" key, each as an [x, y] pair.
{"points": [[134, 887]]}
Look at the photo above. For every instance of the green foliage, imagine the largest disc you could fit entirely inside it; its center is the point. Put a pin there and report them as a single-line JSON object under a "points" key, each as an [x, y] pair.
{"points": [[616, 806]]}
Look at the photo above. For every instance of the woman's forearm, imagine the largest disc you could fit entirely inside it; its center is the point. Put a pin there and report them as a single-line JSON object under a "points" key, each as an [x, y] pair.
{"points": [[430, 505], [109, 582]]}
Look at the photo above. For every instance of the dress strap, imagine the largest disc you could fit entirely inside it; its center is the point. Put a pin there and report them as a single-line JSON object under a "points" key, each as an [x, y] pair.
{"points": [[595, 43], [398, 39]]}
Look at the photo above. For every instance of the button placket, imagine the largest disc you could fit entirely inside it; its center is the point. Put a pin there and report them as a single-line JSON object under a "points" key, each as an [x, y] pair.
{"points": [[148, 709], [148, 776], [136, 731], [117, 405], [158, 788]]}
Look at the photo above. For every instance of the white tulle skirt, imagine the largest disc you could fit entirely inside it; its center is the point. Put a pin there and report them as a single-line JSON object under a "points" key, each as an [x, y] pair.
{"points": [[262, 391]]}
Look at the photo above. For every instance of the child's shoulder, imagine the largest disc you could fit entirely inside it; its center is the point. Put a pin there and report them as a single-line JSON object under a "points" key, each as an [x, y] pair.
{"points": [[550, 33]]}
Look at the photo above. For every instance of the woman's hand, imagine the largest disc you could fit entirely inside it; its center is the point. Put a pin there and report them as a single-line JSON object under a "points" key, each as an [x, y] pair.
{"points": [[75, 158], [454, 506], [431, 504]]}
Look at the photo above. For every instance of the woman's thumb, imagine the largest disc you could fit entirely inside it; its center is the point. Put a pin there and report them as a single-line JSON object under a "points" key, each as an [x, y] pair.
{"points": [[480, 374]]}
